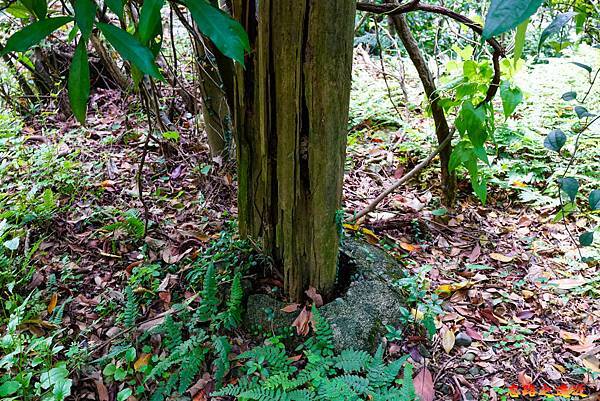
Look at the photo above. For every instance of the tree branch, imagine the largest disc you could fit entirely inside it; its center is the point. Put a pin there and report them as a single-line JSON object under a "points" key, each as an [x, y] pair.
{"points": [[394, 9]]}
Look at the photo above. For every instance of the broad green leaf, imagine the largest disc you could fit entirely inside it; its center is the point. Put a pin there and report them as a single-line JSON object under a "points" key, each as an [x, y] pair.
{"points": [[32, 34], [520, 40], [116, 6], [9, 387], [587, 238], [150, 20], [594, 199], [511, 97], [555, 140], [18, 10], [584, 66], [85, 12], [226, 33], [582, 112], [131, 49], [504, 15], [124, 394], [568, 96], [37, 7], [570, 186], [555, 26], [79, 82], [474, 123]]}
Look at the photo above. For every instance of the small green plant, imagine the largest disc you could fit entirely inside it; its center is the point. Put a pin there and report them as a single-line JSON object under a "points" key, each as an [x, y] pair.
{"points": [[267, 374]]}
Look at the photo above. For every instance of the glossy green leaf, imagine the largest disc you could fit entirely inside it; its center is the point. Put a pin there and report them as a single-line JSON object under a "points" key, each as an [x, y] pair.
{"points": [[555, 140], [116, 6], [131, 49], [511, 97], [587, 238], [504, 15], [570, 186], [9, 388], [520, 41], [226, 33], [584, 66], [594, 199], [150, 20], [474, 123], [79, 82], [33, 34], [37, 7], [555, 26], [568, 96], [582, 112], [85, 12]]}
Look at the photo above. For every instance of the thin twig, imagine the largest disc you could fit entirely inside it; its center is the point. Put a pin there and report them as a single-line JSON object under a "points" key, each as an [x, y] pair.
{"points": [[403, 180]]}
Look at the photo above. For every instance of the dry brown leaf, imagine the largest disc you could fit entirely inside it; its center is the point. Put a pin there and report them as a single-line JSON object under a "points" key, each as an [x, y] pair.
{"points": [[53, 302], [568, 283], [302, 322], [524, 378], [101, 390], [314, 296], [142, 361], [448, 339], [409, 247], [474, 334], [423, 383], [591, 362], [290, 308], [501, 258]]}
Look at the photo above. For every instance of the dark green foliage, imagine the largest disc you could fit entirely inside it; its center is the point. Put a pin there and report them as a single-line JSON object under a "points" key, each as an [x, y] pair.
{"points": [[232, 317], [131, 308], [268, 375], [209, 301], [221, 362]]}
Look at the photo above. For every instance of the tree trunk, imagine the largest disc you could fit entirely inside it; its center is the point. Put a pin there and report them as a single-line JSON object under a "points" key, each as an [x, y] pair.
{"points": [[291, 105], [447, 178]]}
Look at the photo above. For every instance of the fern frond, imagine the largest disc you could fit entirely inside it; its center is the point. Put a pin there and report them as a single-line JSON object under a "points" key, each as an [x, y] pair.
{"points": [[352, 361], [221, 363], [131, 308], [190, 368], [234, 304], [174, 333], [323, 332], [299, 395], [209, 302], [263, 394], [273, 357]]}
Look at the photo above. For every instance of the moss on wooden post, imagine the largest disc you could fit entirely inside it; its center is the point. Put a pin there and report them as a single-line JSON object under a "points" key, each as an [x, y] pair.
{"points": [[290, 118]]}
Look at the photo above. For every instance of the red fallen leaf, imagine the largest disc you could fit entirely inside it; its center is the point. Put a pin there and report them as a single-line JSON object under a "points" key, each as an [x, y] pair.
{"points": [[165, 296], [526, 314], [290, 308], [302, 322], [423, 383], [488, 315], [295, 358], [474, 334], [314, 296]]}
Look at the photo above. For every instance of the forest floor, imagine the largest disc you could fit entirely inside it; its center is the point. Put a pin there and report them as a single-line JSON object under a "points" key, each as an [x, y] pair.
{"points": [[507, 274]]}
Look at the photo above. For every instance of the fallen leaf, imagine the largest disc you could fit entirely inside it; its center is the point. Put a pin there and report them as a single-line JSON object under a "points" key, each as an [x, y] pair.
{"points": [[526, 314], [290, 308], [524, 378], [568, 283], [52, 303], [409, 247], [448, 339], [302, 322], [501, 258], [142, 361], [423, 383], [592, 363], [101, 390], [474, 334], [314, 296], [447, 289]]}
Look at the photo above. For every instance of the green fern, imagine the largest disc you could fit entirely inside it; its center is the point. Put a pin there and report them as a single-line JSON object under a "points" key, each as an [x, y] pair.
{"points": [[221, 362], [131, 308], [190, 368], [209, 302], [352, 361], [232, 317]]}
